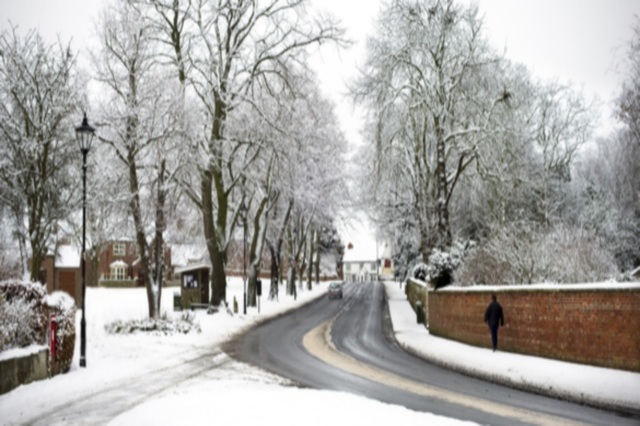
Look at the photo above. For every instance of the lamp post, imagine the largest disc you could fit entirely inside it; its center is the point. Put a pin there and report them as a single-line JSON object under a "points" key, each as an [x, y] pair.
{"points": [[243, 211], [84, 136]]}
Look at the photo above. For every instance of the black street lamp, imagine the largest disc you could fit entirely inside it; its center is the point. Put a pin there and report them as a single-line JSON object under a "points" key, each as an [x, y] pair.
{"points": [[84, 136]]}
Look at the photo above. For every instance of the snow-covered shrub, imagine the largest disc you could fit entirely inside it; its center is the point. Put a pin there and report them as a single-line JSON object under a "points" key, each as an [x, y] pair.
{"points": [[23, 317], [527, 254], [482, 267], [439, 270], [163, 326], [406, 254], [64, 308], [419, 272], [580, 257]]}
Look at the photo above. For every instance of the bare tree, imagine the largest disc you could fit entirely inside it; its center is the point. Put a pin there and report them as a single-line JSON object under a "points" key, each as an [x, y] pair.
{"points": [[562, 122], [235, 47], [431, 96], [304, 160], [140, 125], [629, 99], [39, 95]]}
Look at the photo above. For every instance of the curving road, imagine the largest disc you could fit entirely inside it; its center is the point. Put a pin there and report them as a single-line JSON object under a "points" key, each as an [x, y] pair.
{"points": [[347, 345]]}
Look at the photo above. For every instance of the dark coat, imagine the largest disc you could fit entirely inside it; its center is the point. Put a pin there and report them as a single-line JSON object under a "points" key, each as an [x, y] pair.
{"points": [[493, 315]]}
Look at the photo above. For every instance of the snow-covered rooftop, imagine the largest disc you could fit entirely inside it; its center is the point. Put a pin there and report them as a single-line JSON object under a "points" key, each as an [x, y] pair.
{"points": [[67, 256], [361, 251], [186, 254]]}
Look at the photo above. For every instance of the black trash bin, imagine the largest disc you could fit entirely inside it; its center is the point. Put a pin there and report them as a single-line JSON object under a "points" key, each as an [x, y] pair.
{"points": [[177, 301], [419, 313]]}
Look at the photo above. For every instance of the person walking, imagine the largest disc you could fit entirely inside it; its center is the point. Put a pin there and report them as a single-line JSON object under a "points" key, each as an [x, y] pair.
{"points": [[494, 318]]}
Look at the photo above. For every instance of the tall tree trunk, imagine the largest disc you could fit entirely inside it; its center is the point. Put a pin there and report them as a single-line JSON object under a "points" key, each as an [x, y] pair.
{"points": [[275, 270], [215, 219], [291, 280], [154, 291], [317, 266], [256, 248], [442, 206], [134, 207], [310, 262], [218, 276]]}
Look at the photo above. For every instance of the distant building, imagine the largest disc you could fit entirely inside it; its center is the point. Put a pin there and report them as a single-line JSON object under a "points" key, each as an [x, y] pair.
{"points": [[367, 261], [117, 264]]}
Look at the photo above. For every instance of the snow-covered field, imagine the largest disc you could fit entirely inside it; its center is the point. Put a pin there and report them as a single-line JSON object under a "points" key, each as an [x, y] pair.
{"points": [[127, 372]]}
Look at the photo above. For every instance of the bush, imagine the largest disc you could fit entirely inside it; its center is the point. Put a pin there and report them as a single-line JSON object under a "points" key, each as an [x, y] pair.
{"points": [[482, 267], [161, 326], [23, 316], [439, 271], [527, 254], [64, 307]]}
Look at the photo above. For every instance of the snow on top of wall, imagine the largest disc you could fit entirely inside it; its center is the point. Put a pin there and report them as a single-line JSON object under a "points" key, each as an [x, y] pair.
{"points": [[67, 257], [607, 285], [21, 352]]}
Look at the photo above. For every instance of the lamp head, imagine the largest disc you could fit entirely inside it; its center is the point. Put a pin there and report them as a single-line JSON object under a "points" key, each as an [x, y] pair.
{"points": [[84, 135]]}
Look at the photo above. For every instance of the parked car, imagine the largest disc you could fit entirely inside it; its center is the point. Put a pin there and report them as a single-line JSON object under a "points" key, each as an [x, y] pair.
{"points": [[335, 290]]}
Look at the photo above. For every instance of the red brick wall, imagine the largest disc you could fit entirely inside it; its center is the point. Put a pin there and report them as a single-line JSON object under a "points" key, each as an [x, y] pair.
{"points": [[592, 326]]}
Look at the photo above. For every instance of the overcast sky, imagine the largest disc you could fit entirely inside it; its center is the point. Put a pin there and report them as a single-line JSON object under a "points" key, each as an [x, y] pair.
{"points": [[581, 42], [573, 41], [577, 41]]}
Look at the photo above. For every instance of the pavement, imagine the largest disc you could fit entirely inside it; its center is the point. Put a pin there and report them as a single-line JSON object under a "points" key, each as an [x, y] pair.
{"points": [[604, 388]]}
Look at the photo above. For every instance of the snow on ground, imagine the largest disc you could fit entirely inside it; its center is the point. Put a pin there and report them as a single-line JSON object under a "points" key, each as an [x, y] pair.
{"points": [[242, 394], [594, 385], [234, 392]]}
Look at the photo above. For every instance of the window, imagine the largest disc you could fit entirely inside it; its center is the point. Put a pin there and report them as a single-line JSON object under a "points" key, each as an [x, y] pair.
{"points": [[374, 266], [119, 249], [347, 267], [118, 273]]}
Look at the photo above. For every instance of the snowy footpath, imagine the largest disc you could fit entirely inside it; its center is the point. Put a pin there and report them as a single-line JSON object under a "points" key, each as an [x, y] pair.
{"points": [[601, 387]]}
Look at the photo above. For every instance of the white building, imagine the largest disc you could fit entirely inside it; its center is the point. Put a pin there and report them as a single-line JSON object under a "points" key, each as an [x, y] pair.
{"points": [[367, 261]]}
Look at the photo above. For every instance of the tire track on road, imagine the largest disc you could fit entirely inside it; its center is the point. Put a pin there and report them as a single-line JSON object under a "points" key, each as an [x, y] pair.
{"points": [[318, 343]]}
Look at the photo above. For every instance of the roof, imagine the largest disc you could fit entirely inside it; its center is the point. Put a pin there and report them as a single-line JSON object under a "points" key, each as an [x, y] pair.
{"points": [[193, 267], [185, 254], [359, 234], [361, 251]]}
